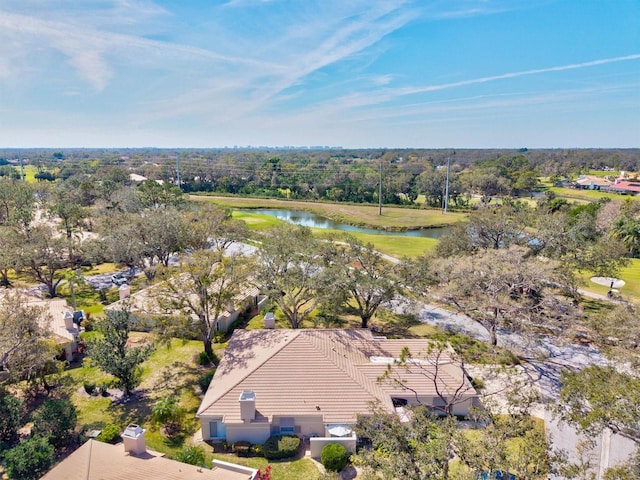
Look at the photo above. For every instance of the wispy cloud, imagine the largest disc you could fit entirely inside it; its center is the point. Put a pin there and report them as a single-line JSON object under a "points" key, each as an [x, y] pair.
{"points": [[503, 76]]}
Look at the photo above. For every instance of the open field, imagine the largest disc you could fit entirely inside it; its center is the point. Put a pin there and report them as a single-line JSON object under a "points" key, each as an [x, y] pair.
{"points": [[583, 196], [359, 215], [630, 274]]}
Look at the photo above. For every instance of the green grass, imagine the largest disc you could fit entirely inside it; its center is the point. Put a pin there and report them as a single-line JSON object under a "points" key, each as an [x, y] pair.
{"points": [[353, 214], [630, 274], [29, 173], [280, 470], [169, 370], [395, 245]]}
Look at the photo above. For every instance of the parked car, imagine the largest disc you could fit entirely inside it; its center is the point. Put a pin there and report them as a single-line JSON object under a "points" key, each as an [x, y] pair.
{"points": [[496, 475], [119, 279]]}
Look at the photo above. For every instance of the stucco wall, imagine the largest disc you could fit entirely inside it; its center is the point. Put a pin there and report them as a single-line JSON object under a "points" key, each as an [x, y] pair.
{"points": [[318, 443], [251, 432]]}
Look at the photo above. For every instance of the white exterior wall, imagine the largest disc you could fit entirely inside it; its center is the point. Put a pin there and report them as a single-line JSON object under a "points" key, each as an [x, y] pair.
{"points": [[317, 444], [251, 432]]}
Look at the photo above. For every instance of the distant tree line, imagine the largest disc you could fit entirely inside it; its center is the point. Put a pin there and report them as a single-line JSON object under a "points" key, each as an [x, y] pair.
{"points": [[335, 175]]}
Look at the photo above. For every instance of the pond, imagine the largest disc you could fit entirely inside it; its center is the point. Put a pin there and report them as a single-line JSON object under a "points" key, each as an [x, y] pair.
{"points": [[312, 220]]}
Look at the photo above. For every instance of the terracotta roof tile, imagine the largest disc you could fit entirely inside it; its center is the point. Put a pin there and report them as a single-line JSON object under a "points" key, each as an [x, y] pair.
{"points": [[299, 372]]}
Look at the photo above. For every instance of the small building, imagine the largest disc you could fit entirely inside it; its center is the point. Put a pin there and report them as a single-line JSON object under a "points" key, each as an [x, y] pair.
{"points": [[625, 186], [149, 302], [315, 383], [592, 182], [61, 322]]}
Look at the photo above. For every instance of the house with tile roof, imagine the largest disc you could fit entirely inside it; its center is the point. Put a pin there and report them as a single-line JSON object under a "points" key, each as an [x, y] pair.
{"points": [[148, 303], [315, 382], [131, 460], [59, 320]]}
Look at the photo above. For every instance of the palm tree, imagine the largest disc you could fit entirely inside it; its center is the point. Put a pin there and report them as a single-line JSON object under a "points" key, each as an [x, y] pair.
{"points": [[168, 413], [627, 230]]}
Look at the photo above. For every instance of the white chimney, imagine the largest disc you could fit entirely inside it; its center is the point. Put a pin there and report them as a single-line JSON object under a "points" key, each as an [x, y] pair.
{"points": [[68, 321], [124, 291], [133, 438], [270, 321], [248, 406]]}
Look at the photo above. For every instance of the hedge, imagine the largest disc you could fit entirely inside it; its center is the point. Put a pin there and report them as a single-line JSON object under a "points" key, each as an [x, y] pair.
{"points": [[281, 446]]}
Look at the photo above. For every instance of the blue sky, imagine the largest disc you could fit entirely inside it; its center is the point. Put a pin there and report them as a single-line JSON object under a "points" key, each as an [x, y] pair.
{"points": [[370, 73]]}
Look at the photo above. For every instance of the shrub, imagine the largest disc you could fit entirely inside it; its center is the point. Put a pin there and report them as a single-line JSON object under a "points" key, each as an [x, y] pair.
{"points": [[205, 380], [102, 389], [205, 359], [241, 448], [334, 457], [11, 417], [110, 433], [192, 455], [89, 387], [281, 446], [30, 460], [256, 450]]}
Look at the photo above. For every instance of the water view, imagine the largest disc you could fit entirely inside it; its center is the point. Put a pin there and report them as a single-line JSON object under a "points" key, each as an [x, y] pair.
{"points": [[315, 221]]}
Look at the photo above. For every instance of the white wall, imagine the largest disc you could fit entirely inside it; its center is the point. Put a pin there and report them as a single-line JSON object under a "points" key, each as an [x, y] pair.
{"points": [[318, 443]]}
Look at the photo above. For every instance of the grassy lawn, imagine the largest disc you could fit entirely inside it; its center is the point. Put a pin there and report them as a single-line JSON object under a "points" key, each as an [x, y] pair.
{"points": [[280, 470], [630, 274], [395, 245], [170, 369], [29, 173], [361, 215]]}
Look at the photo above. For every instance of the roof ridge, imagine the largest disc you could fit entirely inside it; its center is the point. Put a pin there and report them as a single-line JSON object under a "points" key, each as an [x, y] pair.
{"points": [[89, 459], [294, 334]]}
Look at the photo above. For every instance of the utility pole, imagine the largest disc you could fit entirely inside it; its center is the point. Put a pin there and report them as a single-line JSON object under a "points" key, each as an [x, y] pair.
{"points": [[21, 169], [446, 188], [380, 190], [178, 171]]}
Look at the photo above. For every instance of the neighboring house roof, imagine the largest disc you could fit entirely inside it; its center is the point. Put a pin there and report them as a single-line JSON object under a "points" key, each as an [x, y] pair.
{"points": [[310, 371], [134, 177], [96, 460], [53, 321], [57, 309], [626, 186], [146, 300], [588, 180]]}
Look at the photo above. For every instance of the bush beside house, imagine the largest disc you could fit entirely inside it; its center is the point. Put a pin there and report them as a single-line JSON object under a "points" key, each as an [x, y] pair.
{"points": [[281, 446], [334, 457]]}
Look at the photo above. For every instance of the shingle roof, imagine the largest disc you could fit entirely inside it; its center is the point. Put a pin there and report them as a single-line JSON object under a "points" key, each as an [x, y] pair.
{"points": [[101, 461], [298, 372]]}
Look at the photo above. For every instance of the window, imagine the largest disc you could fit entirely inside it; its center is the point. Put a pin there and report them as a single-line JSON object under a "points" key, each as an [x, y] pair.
{"points": [[286, 425]]}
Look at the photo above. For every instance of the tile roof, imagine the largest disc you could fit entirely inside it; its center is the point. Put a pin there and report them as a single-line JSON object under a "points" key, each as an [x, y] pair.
{"points": [[146, 300], [96, 460], [298, 372], [54, 310]]}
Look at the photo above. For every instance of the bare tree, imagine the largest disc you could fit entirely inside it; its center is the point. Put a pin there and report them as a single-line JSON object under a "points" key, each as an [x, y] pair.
{"points": [[504, 288], [203, 289]]}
